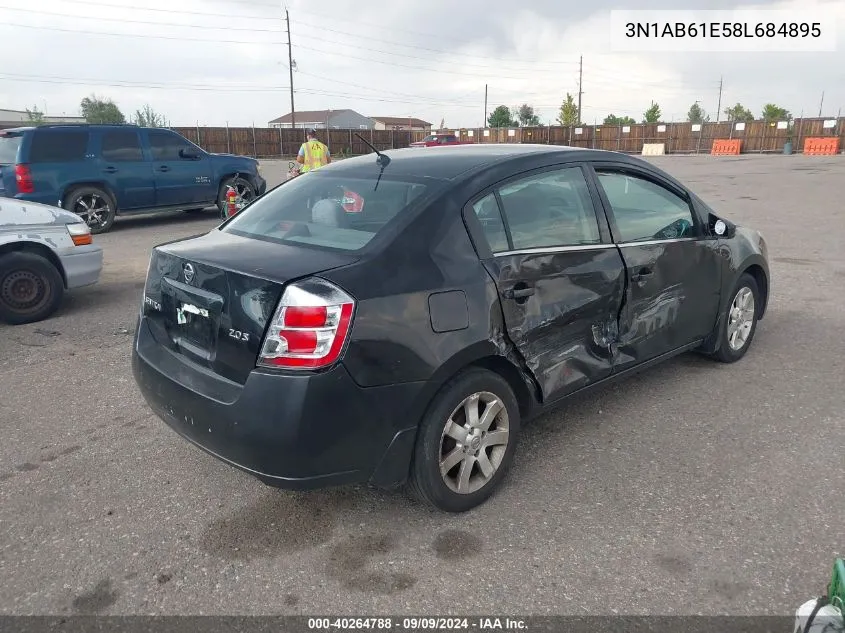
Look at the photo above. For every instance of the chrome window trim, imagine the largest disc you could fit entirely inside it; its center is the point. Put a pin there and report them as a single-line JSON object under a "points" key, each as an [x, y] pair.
{"points": [[555, 249], [656, 242], [590, 247]]}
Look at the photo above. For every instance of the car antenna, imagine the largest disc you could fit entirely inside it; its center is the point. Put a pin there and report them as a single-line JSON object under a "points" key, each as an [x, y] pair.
{"points": [[383, 159]]}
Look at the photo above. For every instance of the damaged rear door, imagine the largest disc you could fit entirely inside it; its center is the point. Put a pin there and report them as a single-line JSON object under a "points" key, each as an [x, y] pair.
{"points": [[559, 276], [673, 273]]}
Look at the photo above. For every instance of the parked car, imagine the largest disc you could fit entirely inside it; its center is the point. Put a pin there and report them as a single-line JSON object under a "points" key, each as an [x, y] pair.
{"points": [[44, 251], [434, 140], [102, 171], [409, 341]]}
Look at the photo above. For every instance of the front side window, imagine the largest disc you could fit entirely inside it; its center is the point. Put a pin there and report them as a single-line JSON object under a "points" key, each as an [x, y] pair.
{"points": [[165, 146], [550, 209], [331, 212], [644, 210]]}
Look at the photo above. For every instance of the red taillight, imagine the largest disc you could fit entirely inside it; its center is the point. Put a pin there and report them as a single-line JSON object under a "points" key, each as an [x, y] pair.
{"points": [[305, 316], [309, 328], [23, 178]]}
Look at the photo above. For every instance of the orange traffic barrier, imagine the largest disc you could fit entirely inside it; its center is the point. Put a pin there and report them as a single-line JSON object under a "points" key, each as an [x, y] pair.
{"points": [[726, 147], [821, 146]]}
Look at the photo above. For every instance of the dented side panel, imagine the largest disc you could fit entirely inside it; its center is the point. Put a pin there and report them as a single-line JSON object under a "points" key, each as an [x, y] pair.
{"points": [[563, 331], [675, 305]]}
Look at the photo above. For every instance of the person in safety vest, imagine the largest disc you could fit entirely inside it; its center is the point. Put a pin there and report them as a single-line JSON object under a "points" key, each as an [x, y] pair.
{"points": [[313, 154]]}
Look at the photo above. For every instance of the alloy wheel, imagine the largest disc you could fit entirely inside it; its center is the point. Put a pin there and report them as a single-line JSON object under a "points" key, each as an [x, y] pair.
{"points": [[92, 208], [474, 442], [741, 318]]}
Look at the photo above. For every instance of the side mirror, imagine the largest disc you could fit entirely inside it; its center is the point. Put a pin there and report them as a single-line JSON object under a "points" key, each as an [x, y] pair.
{"points": [[188, 154], [719, 227]]}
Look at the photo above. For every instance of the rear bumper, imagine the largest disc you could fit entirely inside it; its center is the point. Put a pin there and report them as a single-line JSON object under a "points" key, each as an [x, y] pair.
{"points": [[83, 266], [296, 431]]}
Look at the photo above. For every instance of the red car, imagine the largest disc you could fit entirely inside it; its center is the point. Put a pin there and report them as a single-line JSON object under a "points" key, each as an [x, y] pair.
{"points": [[433, 140]]}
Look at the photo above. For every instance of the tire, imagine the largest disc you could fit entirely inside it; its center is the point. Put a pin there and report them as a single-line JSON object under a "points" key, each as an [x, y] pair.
{"points": [[730, 352], [31, 288], [94, 205], [426, 482], [242, 186]]}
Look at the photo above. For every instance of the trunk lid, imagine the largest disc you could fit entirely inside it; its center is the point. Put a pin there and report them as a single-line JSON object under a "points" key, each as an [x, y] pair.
{"points": [[209, 299]]}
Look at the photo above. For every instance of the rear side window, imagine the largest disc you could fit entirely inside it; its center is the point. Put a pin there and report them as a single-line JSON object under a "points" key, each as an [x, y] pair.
{"points": [[550, 209], [327, 211], [121, 146], [58, 146], [9, 148], [487, 212]]}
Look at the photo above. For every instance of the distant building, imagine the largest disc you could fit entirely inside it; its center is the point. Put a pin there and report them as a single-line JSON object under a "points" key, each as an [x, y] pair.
{"points": [[20, 118], [320, 119], [401, 123]]}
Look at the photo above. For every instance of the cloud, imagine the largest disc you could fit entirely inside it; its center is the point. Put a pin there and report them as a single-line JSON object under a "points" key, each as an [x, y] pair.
{"points": [[217, 61]]}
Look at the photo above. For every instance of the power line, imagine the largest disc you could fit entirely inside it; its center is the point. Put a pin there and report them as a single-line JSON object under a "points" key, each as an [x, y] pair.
{"points": [[146, 22], [260, 30], [424, 48], [169, 11], [130, 84], [141, 36]]}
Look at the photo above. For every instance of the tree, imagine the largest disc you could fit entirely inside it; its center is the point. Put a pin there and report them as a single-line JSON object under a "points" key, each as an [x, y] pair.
{"points": [[526, 116], [696, 114], [772, 112], [501, 117], [34, 116], [97, 110], [147, 117], [568, 112], [652, 115], [612, 119], [739, 113]]}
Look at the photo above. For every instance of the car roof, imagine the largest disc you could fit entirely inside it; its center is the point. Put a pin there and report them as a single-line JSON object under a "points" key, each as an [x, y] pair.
{"points": [[453, 162]]}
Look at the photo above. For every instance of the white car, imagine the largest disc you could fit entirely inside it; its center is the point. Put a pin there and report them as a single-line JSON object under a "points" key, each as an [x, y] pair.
{"points": [[44, 251]]}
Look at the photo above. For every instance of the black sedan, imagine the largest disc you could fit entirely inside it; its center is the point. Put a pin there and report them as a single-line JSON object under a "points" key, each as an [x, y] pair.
{"points": [[397, 319]]}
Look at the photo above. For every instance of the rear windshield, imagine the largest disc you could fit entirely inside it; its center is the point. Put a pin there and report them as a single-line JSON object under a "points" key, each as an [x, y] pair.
{"points": [[325, 211], [9, 148], [58, 146]]}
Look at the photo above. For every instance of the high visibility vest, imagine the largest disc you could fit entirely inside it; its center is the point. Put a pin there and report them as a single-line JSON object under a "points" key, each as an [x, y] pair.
{"points": [[316, 155]]}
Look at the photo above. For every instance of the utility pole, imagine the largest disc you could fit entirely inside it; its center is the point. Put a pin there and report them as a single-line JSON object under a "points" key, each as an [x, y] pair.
{"points": [[290, 67], [580, 79], [821, 104], [484, 122], [719, 105]]}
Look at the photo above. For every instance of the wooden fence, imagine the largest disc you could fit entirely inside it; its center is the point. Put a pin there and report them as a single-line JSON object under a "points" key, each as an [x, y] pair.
{"points": [[679, 138]]}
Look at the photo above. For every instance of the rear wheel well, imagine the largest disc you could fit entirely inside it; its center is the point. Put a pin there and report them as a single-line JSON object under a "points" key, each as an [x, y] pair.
{"points": [[513, 376], [36, 249], [756, 271], [99, 185]]}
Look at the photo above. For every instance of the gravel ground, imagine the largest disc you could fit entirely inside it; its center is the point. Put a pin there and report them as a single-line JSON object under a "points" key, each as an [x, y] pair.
{"points": [[693, 488]]}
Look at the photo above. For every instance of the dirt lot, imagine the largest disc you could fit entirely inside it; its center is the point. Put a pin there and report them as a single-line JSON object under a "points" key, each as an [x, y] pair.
{"points": [[693, 488]]}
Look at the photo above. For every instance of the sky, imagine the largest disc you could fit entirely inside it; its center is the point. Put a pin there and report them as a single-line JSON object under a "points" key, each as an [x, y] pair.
{"points": [[219, 62]]}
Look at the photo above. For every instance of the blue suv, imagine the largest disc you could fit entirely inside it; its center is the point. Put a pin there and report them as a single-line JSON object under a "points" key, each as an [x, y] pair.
{"points": [[101, 171]]}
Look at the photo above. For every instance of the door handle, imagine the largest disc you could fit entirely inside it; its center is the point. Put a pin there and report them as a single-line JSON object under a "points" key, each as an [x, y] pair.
{"points": [[518, 292], [642, 274], [110, 170], [163, 168]]}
